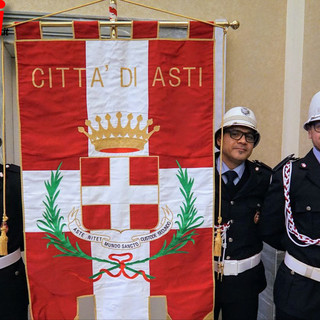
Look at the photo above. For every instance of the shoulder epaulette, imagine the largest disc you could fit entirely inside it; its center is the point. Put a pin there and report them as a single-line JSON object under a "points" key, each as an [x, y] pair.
{"points": [[262, 164], [284, 161]]}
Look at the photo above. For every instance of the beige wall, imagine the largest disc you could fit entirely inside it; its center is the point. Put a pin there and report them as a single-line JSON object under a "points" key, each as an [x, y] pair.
{"points": [[256, 54], [311, 66], [269, 67]]}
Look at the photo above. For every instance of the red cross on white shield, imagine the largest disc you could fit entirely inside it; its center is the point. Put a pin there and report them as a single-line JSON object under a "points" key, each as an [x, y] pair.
{"points": [[120, 193]]}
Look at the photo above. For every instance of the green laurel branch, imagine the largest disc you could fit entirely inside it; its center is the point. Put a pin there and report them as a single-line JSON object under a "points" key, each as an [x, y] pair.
{"points": [[188, 220], [53, 224]]}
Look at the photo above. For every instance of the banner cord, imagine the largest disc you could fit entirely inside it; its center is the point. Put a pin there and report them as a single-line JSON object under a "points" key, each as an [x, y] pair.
{"points": [[127, 1], [3, 128], [222, 131], [4, 229], [172, 13], [54, 13]]}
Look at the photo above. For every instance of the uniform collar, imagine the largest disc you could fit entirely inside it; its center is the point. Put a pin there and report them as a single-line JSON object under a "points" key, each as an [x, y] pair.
{"points": [[316, 153], [239, 169]]}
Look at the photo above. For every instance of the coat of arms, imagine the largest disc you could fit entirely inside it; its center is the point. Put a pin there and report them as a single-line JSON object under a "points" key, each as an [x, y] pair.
{"points": [[120, 201]]}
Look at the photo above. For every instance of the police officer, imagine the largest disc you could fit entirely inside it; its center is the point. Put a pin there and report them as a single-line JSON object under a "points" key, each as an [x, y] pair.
{"points": [[13, 284], [290, 222], [239, 272]]}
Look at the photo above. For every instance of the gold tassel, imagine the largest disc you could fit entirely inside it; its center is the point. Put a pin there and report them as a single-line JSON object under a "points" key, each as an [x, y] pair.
{"points": [[3, 236], [218, 244]]}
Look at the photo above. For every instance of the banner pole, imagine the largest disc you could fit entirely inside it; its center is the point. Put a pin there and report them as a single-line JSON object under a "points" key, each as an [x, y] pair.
{"points": [[163, 24]]}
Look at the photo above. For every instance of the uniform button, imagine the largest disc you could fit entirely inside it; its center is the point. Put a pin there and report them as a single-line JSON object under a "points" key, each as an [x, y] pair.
{"points": [[230, 240], [227, 257], [232, 202], [257, 168], [308, 208], [292, 272], [16, 273]]}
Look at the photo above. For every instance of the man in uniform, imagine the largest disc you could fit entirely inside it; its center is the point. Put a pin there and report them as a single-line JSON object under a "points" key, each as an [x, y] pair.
{"points": [[239, 272], [290, 222], [13, 284]]}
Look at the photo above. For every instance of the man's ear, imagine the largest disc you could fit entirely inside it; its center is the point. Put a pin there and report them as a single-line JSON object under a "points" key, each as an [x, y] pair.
{"points": [[309, 128], [219, 140]]}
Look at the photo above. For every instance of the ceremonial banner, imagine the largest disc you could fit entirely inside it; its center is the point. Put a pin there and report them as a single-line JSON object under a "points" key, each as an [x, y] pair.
{"points": [[117, 170]]}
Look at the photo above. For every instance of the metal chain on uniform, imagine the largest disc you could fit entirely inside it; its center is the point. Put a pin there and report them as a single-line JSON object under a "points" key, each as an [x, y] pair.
{"points": [[290, 225]]}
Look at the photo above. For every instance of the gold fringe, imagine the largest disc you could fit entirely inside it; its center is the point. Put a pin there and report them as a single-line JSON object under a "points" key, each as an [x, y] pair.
{"points": [[3, 237]]}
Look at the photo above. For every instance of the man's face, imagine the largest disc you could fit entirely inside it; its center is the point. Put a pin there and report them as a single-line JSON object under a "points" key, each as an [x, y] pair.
{"points": [[235, 151], [314, 134]]}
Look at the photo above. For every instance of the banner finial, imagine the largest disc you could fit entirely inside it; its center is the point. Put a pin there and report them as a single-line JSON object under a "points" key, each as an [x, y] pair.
{"points": [[113, 16]]}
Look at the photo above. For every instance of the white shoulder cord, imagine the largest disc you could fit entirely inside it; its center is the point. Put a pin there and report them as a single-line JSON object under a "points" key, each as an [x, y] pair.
{"points": [[290, 226]]}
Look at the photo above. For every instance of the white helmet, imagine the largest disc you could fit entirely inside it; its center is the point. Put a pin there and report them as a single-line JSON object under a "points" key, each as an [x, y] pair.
{"points": [[239, 116], [314, 110]]}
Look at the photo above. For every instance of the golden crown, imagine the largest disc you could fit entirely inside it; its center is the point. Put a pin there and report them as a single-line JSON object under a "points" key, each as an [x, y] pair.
{"points": [[119, 138]]}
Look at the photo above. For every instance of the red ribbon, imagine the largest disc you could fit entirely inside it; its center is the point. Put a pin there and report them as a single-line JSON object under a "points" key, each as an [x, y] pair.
{"points": [[113, 10], [122, 267]]}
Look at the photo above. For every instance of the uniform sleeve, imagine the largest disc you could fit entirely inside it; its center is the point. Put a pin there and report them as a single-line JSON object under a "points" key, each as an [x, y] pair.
{"points": [[14, 208], [272, 224]]}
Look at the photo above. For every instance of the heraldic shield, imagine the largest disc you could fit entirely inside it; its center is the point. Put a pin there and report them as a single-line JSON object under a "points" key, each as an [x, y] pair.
{"points": [[120, 202], [119, 193]]}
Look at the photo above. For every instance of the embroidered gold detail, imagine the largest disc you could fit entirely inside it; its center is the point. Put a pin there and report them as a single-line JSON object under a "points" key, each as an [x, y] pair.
{"points": [[119, 138]]}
